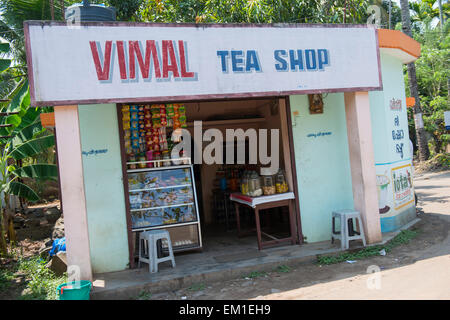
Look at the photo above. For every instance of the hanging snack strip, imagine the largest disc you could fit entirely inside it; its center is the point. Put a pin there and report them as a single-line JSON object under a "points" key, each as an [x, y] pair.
{"points": [[145, 131]]}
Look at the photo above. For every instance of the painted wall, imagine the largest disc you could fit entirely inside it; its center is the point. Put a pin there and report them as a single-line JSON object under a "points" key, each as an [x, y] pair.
{"points": [[322, 162], [105, 200], [391, 147]]}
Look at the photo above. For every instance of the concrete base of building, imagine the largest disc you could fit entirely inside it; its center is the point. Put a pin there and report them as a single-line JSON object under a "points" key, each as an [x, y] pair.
{"points": [[210, 266], [396, 222]]}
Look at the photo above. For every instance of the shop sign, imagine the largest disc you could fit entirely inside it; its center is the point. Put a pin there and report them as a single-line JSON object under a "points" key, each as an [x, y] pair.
{"points": [[121, 62]]}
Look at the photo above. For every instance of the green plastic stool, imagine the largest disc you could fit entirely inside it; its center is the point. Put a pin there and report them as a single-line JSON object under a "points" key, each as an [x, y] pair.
{"points": [[75, 290]]}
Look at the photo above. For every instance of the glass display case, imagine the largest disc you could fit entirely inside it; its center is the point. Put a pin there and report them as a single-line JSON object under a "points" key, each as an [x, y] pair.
{"points": [[164, 197]]}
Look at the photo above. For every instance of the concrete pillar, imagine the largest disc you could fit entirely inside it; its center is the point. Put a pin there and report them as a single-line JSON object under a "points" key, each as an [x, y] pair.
{"points": [[72, 189], [359, 131]]}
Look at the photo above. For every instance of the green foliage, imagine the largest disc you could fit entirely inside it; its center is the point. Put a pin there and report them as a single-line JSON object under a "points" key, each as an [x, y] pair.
{"points": [[255, 274], [41, 281], [6, 277], [254, 11], [197, 287], [402, 238], [144, 295], [125, 10], [432, 70], [283, 269]]}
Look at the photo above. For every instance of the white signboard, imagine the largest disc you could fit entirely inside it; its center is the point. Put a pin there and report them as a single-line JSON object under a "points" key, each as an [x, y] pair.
{"points": [[447, 120], [120, 62]]}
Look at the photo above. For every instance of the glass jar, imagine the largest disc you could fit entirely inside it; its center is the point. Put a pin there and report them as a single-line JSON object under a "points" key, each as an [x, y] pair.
{"points": [[132, 158], [142, 160], [254, 185], [157, 156], [244, 183], [166, 156], [280, 182], [268, 182], [149, 155]]}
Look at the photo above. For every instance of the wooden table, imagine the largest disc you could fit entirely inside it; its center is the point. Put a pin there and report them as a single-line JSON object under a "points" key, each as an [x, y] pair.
{"points": [[266, 202]]}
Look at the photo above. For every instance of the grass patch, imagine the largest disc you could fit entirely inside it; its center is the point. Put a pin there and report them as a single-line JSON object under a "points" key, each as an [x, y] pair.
{"points": [[197, 287], [144, 295], [41, 281], [402, 238], [283, 269], [6, 277], [256, 274]]}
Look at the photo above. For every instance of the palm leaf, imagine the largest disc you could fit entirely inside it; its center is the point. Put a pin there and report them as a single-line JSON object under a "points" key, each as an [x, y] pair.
{"points": [[21, 190], [38, 171], [33, 147]]}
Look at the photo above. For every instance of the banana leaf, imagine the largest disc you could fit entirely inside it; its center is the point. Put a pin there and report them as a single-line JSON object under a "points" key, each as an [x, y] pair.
{"points": [[4, 64], [33, 147], [4, 47], [19, 95], [26, 133], [21, 190], [38, 171]]}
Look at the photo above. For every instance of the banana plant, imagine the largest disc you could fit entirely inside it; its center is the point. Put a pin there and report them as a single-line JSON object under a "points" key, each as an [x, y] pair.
{"points": [[23, 142], [21, 136]]}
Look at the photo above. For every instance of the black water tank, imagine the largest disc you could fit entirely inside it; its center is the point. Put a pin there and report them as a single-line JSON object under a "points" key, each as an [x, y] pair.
{"points": [[82, 12]]}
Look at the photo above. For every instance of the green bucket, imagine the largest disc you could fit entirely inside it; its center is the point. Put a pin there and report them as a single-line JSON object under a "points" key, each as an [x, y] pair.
{"points": [[75, 290]]}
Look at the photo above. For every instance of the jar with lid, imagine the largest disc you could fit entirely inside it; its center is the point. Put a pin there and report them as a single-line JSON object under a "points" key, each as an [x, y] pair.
{"points": [[254, 185], [244, 183], [157, 156], [268, 181], [166, 156], [142, 161], [280, 182], [132, 158]]}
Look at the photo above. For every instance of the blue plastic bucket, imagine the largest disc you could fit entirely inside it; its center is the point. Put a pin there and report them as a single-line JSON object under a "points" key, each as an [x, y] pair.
{"points": [[75, 290]]}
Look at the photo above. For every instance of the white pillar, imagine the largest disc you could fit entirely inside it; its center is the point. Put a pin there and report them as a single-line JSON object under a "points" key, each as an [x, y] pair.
{"points": [[362, 163], [70, 166]]}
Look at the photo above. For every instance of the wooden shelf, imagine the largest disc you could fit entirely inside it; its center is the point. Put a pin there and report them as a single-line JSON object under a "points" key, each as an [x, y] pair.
{"points": [[227, 122]]}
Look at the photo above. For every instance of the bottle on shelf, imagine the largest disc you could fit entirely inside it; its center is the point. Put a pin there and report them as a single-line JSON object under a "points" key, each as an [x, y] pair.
{"points": [[280, 184], [268, 182]]}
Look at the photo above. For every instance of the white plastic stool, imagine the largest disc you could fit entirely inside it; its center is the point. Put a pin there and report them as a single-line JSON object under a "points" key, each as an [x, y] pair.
{"points": [[148, 241], [344, 216]]}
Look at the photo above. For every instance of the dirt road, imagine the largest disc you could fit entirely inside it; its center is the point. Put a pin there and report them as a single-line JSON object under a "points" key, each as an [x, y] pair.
{"points": [[417, 270]]}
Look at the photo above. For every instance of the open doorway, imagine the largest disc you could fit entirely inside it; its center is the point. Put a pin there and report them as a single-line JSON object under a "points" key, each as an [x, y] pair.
{"points": [[205, 220]]}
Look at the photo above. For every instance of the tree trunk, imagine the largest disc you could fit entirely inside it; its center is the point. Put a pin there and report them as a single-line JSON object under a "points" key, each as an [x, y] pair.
{"points": [[10, 221], [3, 247], [441, 16], [424, 152]]}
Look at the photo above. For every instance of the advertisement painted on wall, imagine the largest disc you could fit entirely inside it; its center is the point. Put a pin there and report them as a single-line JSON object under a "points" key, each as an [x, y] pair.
{"points": [[395, 189], [117, 62]]}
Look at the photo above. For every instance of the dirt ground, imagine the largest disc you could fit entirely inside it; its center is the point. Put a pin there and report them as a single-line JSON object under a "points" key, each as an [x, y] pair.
{"points": [[426, 255], [30, 242]]}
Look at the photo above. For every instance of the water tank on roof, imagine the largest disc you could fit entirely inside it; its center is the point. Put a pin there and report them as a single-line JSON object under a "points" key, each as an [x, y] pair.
{"points": [[82, 12]]}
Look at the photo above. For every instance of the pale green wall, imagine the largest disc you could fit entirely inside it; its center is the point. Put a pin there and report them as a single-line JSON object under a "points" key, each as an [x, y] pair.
{"points": [[322, 164], [386, 157], [103, 184]]}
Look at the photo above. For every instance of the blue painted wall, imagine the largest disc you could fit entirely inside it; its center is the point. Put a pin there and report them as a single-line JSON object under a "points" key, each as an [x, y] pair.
{"points": [[322, 163], [105, 199], [392, 156]]}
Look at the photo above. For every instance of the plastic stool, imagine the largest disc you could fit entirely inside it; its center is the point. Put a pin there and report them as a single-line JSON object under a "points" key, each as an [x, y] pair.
{"points": [[346, 234], [148, 241]]}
